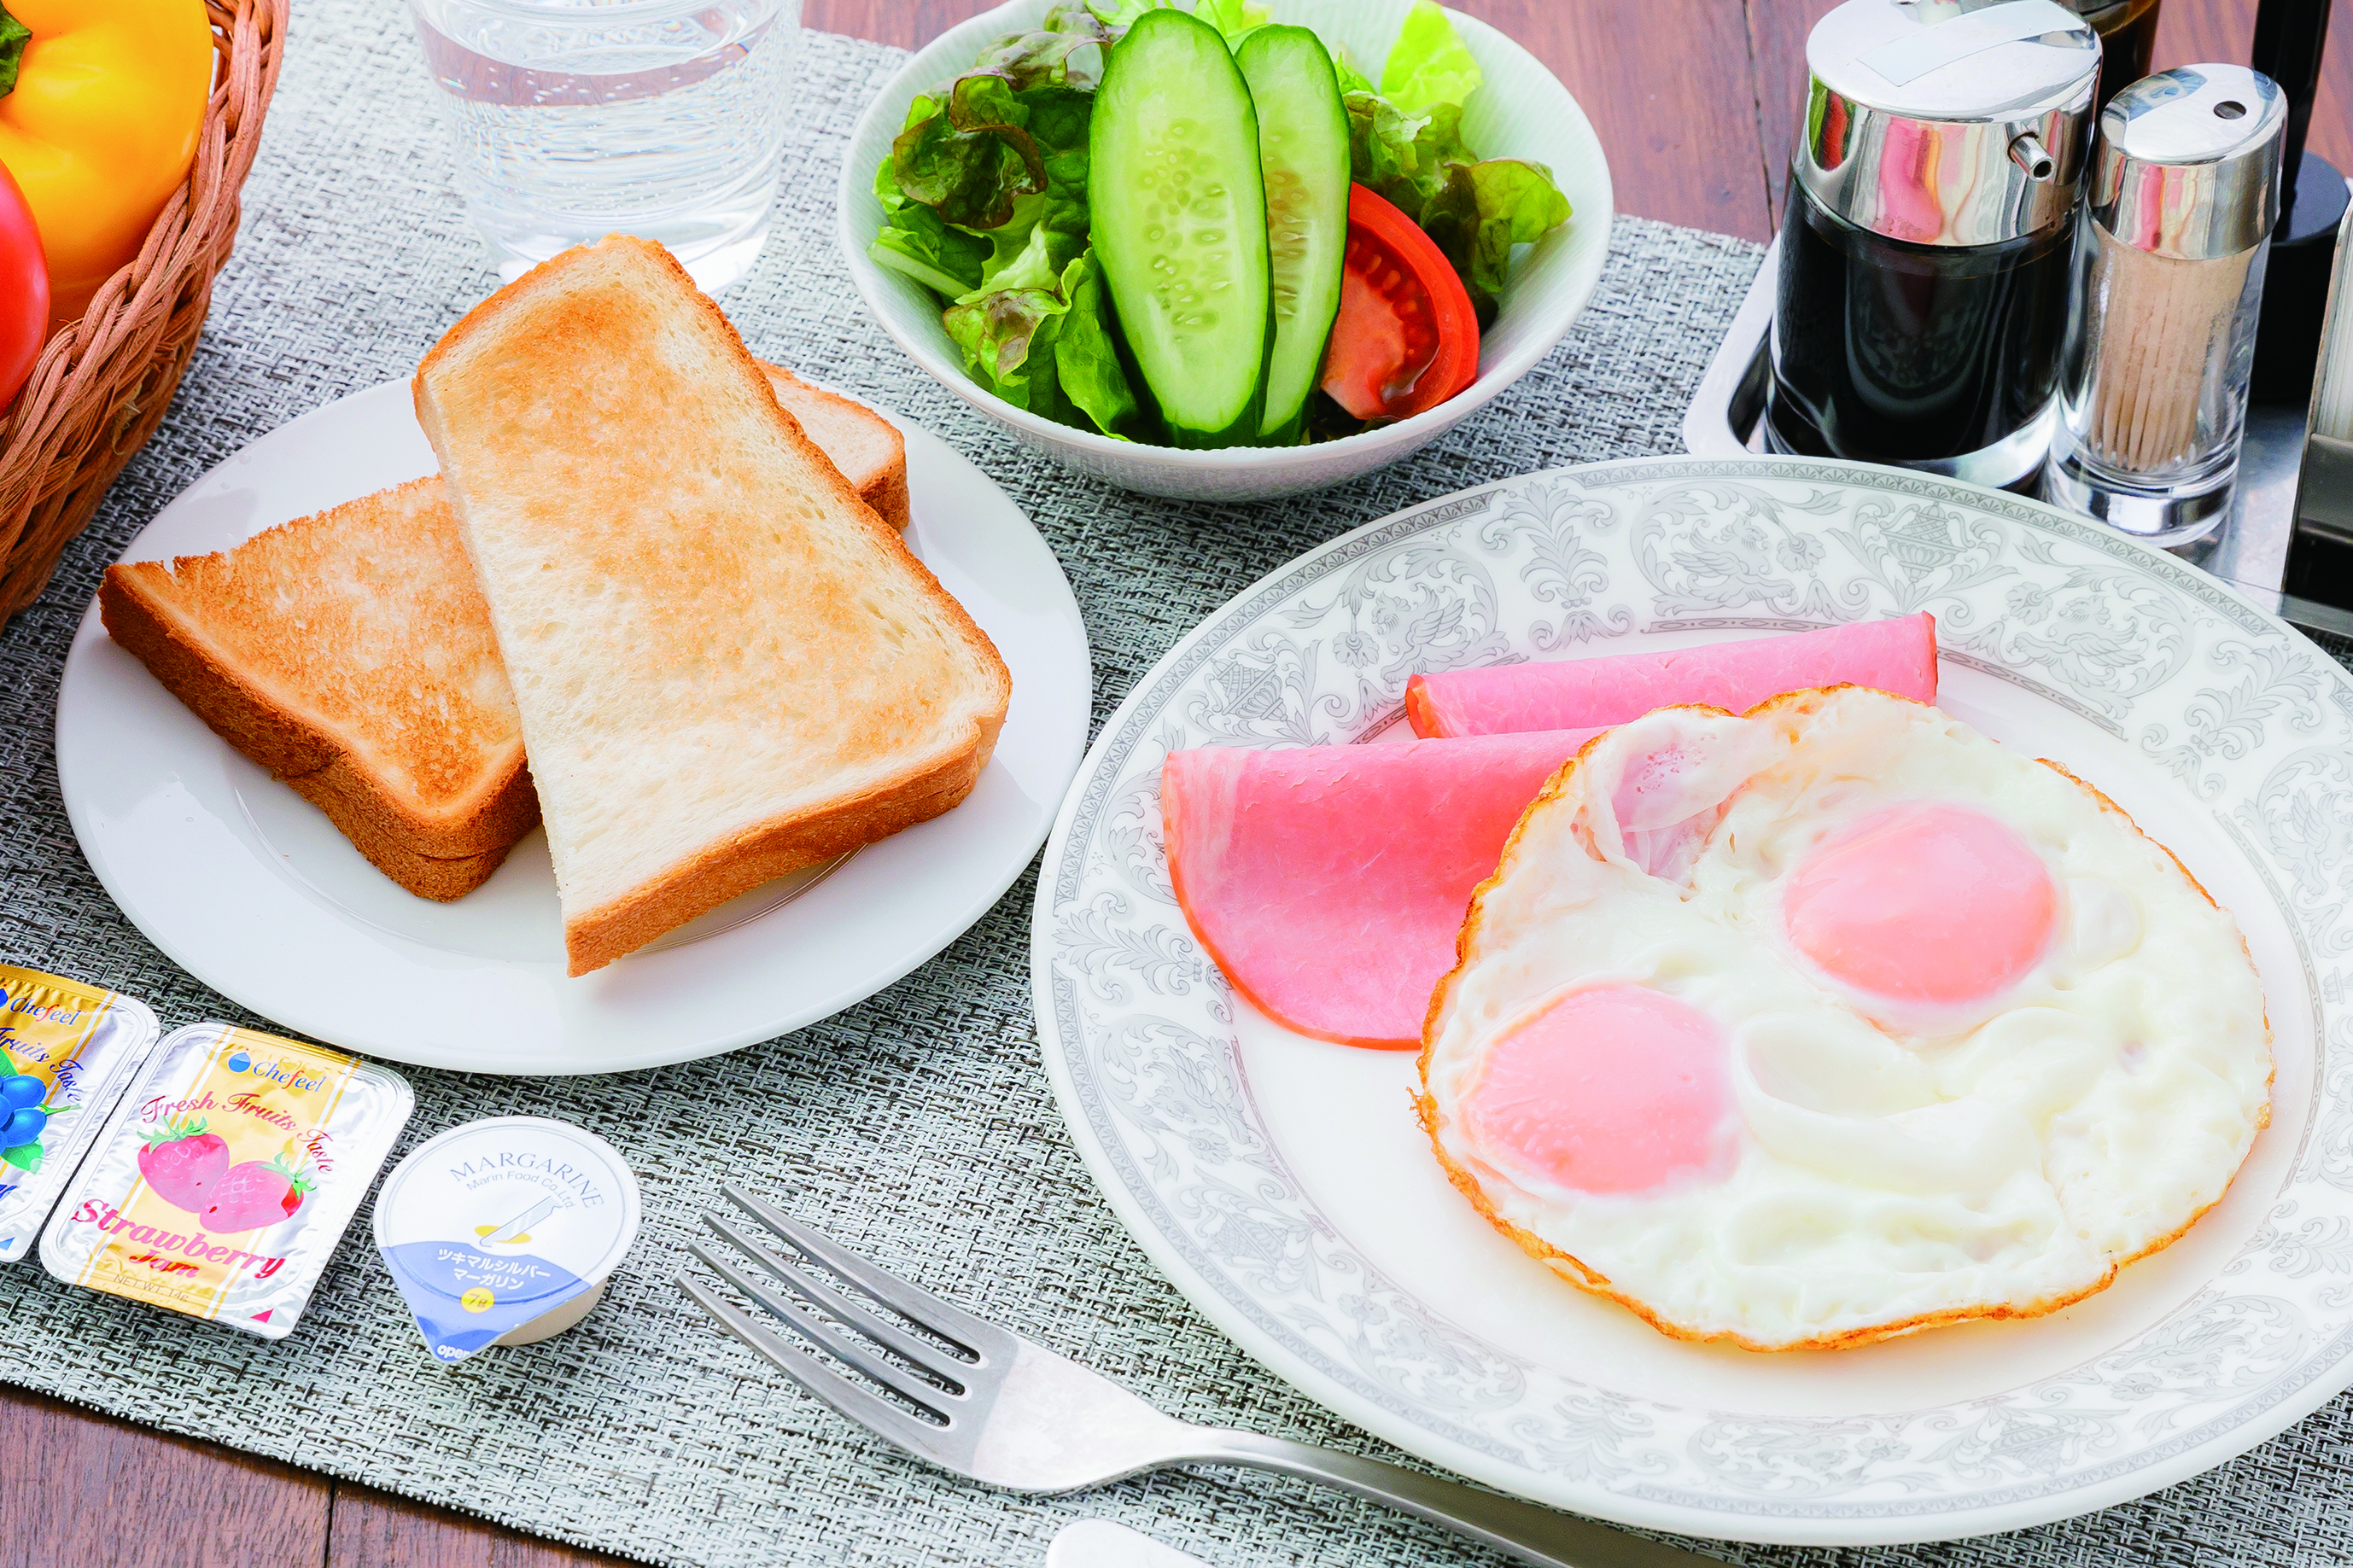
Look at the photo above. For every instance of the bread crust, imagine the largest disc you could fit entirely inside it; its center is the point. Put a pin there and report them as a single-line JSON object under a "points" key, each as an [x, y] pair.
{"points": [[442, 853], [760, 851], [744, 861], [435, 855], [888, 496], [885, 490], [1586, 1278], [426, 876]]}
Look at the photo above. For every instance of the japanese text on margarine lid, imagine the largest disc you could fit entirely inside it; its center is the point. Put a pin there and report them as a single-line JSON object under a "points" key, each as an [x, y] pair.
{"points": [[498, 1226], [226, 1175]]}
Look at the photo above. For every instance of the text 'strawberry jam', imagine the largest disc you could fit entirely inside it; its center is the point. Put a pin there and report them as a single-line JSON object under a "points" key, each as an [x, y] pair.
{"points": [[226, 1176], [66, 1051]]}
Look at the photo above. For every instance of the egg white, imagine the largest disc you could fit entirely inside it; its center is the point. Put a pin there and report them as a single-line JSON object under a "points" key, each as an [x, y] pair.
{"points": [[1893, 1166]]}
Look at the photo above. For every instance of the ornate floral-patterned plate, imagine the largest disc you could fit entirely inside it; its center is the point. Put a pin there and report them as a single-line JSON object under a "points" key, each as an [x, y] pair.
{"points": [[1281, 1182]]}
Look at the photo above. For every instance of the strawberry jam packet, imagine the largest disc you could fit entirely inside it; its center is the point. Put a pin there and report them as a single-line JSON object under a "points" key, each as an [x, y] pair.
{"points": [[66, 1051], [226, 1176]]}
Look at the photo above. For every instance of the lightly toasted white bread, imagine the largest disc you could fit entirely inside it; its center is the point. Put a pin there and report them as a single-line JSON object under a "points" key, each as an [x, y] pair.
{"points": [[866, 448], [350, 653], [727, 666]]}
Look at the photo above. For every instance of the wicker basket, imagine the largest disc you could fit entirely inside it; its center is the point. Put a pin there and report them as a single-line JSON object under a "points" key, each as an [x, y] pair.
{"points": [[101, 385]]}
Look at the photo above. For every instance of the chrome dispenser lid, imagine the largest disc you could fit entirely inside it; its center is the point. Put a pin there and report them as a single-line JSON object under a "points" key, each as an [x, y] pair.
{"points": [[2188, 163], [2097, 11], [1955, 122]]}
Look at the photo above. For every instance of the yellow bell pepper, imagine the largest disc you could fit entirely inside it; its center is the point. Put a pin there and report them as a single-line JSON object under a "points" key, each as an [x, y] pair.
{"points": [[99, 126]]}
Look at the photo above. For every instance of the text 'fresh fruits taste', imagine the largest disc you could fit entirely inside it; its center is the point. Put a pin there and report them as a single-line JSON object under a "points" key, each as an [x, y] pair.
{"points": [[171, 1114], [188, 1167], [25, 1106], [26, 1112]]}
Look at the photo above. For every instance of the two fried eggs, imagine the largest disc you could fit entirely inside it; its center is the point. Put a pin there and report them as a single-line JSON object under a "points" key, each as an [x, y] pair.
{"points": [[1838, 1021]]}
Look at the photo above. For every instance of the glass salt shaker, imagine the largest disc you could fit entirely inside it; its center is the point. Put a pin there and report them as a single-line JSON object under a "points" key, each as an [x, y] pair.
{"points": [[2169, 277]]}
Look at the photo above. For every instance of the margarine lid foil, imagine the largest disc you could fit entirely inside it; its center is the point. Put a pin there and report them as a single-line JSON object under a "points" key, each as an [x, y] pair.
{"points": [[66, 1049], [227, 1175], [496, 1223]]}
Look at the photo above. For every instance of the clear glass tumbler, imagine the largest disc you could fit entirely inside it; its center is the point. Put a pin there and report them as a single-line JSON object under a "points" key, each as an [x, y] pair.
{"points": [[575, 119]]}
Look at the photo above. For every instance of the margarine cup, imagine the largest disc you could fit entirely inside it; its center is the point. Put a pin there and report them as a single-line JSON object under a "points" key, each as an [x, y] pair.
{"points": [[503, 1231]]}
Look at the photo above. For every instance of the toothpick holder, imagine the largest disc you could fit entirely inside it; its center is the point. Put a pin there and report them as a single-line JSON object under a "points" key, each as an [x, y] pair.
{"points": [[2169, 279]]}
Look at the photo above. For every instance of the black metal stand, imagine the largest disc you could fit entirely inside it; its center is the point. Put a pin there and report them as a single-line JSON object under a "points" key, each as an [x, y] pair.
{"points": [[2296, 284]]}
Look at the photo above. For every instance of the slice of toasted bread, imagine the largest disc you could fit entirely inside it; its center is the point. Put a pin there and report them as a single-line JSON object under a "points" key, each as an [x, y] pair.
{"points": [[278, 644], [727, 667], [866, 448], [349, 653]]}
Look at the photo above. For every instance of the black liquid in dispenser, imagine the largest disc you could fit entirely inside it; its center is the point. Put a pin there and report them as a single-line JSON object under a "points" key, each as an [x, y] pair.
{"points": [[1924, 258], [1889, 352]]}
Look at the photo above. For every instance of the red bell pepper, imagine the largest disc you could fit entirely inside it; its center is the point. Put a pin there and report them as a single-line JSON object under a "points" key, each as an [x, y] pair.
{"points": [[24, 290]]}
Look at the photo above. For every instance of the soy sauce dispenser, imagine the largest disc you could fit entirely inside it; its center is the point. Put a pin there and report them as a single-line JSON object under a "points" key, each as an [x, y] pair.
{"points": [[1923, 292]]}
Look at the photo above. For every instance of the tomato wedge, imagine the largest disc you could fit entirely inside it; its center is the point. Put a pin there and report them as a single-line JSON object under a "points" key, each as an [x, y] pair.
{"points": [[1406, 338], [24, 290]]}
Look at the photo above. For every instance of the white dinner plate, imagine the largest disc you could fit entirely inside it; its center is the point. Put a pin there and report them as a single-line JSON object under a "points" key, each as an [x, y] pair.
{"points": [[251, 888], [1283, 1185]]}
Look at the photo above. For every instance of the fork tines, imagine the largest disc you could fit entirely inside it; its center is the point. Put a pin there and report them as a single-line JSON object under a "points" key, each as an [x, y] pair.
{"points": [[937, 1377]]}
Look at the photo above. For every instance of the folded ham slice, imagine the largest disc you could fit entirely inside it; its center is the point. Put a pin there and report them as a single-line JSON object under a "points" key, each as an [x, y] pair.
{"points": [[1329, 882], [1897, 656]]}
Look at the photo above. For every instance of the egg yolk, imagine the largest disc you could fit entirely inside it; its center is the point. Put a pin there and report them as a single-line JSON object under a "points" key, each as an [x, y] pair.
{"points": [[1614, 1089], [1928, 902]]}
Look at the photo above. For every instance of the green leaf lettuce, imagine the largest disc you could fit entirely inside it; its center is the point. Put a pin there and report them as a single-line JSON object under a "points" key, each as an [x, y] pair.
{"points": [[1402, 157], [1406, 144], [1429, 64], [1052, 54], [1233, 19], [1086, 354], [1042, 340], [1485, 209], [972, 157], [915, 240], [1057, 122]]}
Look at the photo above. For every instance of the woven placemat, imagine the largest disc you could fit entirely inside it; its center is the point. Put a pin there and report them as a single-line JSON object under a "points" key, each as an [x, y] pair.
{"points": [[917, 1126]]}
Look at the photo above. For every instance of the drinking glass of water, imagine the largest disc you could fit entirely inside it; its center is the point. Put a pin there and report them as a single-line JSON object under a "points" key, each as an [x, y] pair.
{"points": [[576, 118]]}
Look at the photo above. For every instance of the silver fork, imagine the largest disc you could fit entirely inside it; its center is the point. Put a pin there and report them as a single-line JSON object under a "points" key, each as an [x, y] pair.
{"points": [[1006, 1412]]}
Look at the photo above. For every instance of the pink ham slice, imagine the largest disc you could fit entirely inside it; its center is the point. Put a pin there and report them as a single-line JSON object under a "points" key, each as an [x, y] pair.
{"points": [[1897, 656], [1329, 882]]}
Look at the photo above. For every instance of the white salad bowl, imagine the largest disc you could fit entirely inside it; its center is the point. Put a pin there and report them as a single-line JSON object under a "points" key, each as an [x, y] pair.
{"points": [[1523, 112]]}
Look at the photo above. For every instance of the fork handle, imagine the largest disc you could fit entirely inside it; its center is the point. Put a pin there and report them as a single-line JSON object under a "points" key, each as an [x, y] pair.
{"points": [[1526, 1531]]}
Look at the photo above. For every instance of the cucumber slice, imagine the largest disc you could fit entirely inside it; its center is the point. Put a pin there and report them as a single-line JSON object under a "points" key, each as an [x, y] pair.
{"points": [[1302, 148], [1178, 216]]}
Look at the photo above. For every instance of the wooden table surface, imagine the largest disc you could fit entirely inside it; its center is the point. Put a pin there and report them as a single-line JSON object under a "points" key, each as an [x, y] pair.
{"points": [[1695, 101]]}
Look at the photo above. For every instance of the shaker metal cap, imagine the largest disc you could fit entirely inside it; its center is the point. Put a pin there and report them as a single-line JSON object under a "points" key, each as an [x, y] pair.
{"points": [[1954, 122], [2188, 163]]}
